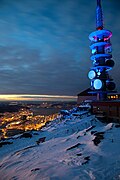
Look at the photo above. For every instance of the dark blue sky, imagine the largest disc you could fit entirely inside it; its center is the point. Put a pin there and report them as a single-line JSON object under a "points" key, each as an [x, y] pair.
{"points": [[44, 45]]}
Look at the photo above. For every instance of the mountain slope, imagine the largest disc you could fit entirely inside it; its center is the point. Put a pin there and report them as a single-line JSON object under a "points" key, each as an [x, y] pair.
{"points": [[76, 147]]}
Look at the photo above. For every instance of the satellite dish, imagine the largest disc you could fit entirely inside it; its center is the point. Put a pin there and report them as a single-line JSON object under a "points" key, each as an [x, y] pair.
{"points": [[91, 74], [97, 84], [110, 63], [110, 86]]}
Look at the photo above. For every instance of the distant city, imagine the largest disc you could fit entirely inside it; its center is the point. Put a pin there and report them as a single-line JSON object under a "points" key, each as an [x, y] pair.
{"points": [[18, 117]]}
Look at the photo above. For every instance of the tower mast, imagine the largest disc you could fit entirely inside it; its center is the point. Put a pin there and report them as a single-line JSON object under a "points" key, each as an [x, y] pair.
{"points": [[101, 83], [99, 16]]}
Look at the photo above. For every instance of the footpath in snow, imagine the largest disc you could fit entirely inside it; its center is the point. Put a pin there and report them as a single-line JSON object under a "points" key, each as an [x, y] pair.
{"points": [[74, 147]]}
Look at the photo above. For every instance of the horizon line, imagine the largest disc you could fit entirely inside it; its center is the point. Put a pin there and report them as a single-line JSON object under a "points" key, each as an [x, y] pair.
{"points": [[35, 97]]}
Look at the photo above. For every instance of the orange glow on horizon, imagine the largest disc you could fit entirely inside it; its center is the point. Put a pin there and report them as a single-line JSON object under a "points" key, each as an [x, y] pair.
{"points": [[31, 97]]}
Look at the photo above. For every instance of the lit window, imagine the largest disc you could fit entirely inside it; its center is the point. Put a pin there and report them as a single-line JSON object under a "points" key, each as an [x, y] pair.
{"points": [[116, 96]]}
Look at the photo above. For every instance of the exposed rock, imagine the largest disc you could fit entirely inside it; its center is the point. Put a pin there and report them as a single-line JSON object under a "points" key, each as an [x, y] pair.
{"points": [[87, 159], [41, 140], [36, 169], [75, 146], [26, 135], [117, 125], [79, 154], [5, 143], [78, 137], [98, 137]]}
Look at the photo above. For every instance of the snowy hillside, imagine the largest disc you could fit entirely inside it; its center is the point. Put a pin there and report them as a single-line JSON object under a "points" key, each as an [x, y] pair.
{"points": [[75, 147]]}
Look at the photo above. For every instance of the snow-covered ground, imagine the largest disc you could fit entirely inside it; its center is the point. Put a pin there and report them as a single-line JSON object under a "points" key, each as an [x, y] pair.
{"points": [[74, 148]]}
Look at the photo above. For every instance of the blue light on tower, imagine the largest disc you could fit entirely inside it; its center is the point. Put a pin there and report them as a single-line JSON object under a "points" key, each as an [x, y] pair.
{"points": [[101, 48]]}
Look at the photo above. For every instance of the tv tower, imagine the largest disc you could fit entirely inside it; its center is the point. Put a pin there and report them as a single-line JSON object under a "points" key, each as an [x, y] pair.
{"points": [[101, 82]]}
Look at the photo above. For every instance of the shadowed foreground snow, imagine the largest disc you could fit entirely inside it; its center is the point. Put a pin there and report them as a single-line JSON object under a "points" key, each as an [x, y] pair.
{"points": [[75, 148]]}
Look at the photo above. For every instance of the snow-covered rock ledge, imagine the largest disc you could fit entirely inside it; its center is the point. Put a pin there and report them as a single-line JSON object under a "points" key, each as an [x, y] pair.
{"points": [[71, 148]]}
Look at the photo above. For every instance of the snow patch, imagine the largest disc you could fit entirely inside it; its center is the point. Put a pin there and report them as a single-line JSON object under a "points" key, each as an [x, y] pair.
{"points": [[77, 146]]}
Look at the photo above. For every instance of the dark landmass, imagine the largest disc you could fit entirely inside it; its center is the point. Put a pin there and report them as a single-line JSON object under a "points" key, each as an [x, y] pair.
{"points": [[4, 107]]}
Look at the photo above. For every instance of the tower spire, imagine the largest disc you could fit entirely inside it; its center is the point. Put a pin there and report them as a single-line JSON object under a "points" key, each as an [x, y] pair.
{"points": [[99, 16], [99, 2]]}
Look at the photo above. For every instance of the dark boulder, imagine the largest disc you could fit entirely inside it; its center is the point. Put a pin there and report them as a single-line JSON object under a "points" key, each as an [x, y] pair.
{"points": [[41, 140], [26, 135], [98, 137], [5, 143]]}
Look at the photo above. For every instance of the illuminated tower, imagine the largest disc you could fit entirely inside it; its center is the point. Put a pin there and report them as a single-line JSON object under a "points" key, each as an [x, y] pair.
{"points": [[101, 83]]}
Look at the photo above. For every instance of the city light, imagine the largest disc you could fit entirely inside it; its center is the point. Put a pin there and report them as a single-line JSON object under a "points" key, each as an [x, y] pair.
{"points": [[24, 120]]}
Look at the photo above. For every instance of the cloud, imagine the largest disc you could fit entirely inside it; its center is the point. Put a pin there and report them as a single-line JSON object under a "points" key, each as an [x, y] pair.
{"points": [[24, 71], [44, 45]]}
